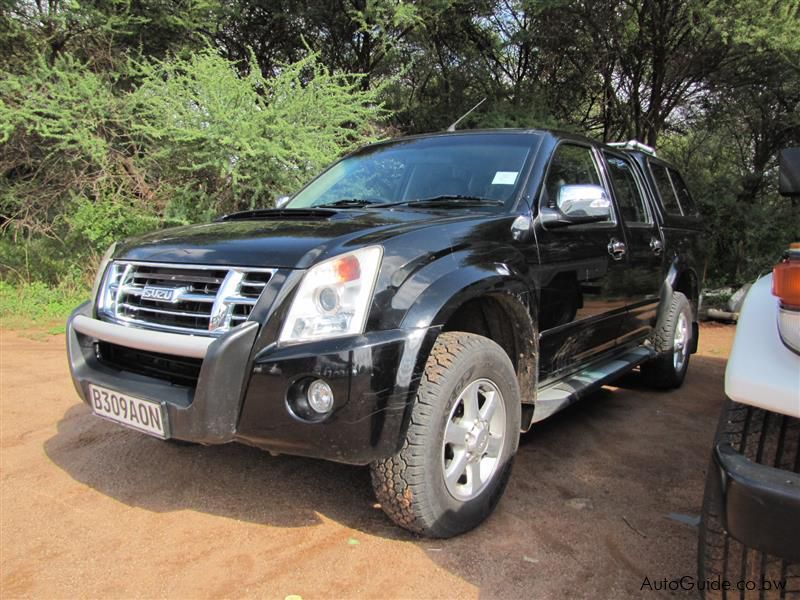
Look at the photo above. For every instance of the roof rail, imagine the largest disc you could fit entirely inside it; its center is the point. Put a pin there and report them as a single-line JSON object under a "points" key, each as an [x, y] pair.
{"points": [[633, 145]]}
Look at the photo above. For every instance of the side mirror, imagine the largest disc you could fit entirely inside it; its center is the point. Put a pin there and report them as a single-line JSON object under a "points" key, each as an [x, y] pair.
{"points": [[282, 201], [789, 167], [577, 205]]}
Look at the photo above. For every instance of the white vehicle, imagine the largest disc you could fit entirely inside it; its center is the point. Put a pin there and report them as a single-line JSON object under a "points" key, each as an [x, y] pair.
{"points": [[749, 540]]}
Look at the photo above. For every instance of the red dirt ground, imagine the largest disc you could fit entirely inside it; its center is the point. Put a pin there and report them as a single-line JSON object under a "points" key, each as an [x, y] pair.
{"points": [[90, 509]]}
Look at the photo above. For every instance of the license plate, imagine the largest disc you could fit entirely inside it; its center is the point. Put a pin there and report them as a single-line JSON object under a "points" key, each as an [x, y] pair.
{"points": [[142, 415]]}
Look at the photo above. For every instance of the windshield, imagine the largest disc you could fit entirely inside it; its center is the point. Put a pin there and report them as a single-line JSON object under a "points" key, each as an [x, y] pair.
{"points": [[481, 166]]}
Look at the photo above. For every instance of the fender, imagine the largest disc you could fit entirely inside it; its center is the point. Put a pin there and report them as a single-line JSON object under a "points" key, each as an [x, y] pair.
{"points": [[678, 271], [444, 295], [761, 370]]}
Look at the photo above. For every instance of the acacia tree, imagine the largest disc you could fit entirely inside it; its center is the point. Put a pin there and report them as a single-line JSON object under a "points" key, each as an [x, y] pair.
{"points": [[350, 36], [729, 149], [712, 82], [100, 32], [640, 61]]}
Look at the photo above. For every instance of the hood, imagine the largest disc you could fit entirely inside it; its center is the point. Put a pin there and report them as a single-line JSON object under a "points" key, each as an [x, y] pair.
{"points": [[279, 238]]}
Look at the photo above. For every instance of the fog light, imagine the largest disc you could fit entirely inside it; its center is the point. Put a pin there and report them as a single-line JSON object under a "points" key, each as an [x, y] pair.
{"points": [[320, 396]]}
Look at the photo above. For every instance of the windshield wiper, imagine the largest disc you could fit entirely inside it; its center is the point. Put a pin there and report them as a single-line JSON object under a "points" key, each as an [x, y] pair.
{"points": [[444, 199], [452, 199], [349, 203]]}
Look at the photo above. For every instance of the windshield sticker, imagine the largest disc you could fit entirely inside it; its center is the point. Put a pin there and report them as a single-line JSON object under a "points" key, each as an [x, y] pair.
{"points": [[505, 178]]}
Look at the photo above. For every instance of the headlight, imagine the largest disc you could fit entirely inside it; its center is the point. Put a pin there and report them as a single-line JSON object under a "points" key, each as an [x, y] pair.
{"points": [[334, 297], [98, 279]]}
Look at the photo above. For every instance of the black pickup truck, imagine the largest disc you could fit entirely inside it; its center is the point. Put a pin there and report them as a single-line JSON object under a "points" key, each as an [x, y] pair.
{"points": [[414, 308]]}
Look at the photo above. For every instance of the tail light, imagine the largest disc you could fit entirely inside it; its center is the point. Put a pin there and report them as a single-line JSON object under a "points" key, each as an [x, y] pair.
{"points": [[786, 286]]}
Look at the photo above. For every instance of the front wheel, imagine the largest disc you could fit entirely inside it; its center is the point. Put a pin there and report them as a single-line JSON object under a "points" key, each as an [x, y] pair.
{"points": [[464, 431]]}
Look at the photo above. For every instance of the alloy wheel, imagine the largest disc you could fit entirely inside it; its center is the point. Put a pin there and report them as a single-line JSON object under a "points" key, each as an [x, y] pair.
{"points": [[473, 439]]}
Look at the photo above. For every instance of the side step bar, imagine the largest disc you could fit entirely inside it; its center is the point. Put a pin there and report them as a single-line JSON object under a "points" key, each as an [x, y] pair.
{"points": [[561, 394]]}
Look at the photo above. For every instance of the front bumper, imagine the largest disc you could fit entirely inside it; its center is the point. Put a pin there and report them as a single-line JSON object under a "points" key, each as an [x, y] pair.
{"points": [[241, 394], [206, 414], [374, 378], [759, 505]]}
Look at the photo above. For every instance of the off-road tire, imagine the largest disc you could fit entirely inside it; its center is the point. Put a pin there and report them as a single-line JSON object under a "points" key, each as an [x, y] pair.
{"points": [[766, 438], [410, 485], [661, 372]]}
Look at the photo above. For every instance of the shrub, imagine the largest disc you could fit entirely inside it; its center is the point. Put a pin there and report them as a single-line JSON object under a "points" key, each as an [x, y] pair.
{"points": [[224, 141], [87, 158], [38, 304]]}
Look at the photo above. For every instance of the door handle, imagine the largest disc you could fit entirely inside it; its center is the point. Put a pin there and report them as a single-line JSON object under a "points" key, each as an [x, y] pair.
{"points": [[616, 249], [656, 246]]}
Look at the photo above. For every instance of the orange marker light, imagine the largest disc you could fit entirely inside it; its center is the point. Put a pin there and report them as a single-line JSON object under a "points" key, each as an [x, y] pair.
{"points": [[347, 269], [786, 282]]}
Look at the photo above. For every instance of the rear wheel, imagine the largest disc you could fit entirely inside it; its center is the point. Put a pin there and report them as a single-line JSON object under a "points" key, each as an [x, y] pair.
{"points": [[766, 438], [672, 343], [464, 431]]}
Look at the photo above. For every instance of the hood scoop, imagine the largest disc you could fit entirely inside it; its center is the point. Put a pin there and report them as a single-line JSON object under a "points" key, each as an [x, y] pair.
{"points": [[279, 214]]}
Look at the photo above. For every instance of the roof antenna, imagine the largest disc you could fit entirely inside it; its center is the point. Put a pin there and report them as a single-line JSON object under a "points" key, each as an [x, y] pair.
{"points": [[464, 116]]}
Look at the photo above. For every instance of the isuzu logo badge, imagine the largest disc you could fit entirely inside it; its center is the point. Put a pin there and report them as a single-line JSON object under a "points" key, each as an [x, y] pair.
{"points": [[161, 294]]}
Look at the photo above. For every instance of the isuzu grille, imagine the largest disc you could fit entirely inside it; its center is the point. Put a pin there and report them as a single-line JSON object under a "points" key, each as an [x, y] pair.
{"points": [[200, 300]]}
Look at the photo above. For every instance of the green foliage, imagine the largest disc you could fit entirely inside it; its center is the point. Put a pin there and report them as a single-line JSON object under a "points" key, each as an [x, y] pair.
{"points": [[761, 26], [97, 224], [101, 32], [745, 235], [224, 140], [88, 158], [57, 125], [38, 304], [45, 259], [119, 116], [67, 151]]}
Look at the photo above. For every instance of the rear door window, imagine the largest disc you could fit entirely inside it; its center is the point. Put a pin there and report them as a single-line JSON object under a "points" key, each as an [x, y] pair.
{"points": [[688, 207], [630, 199], [665, 190]]}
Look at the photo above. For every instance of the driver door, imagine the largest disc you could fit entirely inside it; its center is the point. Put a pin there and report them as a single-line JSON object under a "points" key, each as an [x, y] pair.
{"points": [[582, 301]]}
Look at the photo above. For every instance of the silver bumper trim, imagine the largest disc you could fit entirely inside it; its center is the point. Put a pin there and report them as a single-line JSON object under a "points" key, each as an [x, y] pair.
{"points": [[142, 339]]}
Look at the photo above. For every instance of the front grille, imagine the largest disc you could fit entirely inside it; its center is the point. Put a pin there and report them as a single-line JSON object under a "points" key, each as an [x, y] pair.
{"points": [[179, 370], [204, 300]]}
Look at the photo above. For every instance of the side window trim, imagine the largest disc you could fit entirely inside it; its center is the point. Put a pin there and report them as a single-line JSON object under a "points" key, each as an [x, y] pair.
{"points": [[640, 188], [674, 190], [650, 191]]}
